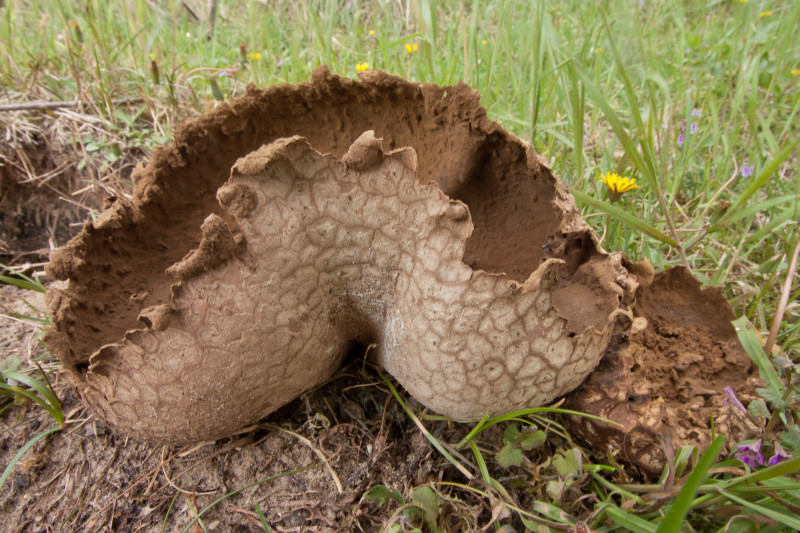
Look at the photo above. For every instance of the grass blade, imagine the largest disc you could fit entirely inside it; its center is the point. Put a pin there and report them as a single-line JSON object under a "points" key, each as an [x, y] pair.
{"points": [[783, 468], [487, 422], [46, 397], [23, 284], [770, 228], [611, 115], [747, 336], [636, 115], [731, 217], [774, 474], [642, 159], [28, 318], [787, 520], [431, 438], [22, 451], [671, 523], [11, 391], [577, 99], [262, 519], [624, 217], [629, 521], [769, 169]]}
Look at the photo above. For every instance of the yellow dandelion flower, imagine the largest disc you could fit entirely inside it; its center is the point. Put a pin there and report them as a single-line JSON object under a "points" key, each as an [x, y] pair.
{"points": [[361, 67], [742, 1], [796, 72], [617, 185], [765, 14], [411, 48], [372, 32], [253, 56], [483, 42]]}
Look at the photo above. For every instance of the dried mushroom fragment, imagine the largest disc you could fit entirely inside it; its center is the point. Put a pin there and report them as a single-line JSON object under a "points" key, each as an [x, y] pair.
{"points": [[218, 295]]}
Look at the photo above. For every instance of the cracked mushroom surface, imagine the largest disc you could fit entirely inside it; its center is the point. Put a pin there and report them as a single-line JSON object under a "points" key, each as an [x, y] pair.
{"points": [[278, 231]]}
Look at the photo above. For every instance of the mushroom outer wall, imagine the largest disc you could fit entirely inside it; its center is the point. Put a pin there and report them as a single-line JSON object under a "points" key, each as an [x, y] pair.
{"points": [[208, 302]]}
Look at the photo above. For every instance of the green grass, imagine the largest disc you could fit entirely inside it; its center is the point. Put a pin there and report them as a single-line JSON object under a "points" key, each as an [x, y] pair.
{"points": [[681, 96]]}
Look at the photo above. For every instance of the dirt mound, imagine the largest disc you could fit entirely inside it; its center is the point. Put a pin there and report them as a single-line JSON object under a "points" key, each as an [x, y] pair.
{"points": [[278, 231], [668, 377]]}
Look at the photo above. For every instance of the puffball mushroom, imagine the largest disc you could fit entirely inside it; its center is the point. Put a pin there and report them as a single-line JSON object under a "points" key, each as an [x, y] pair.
{"points": [[188, 320]]}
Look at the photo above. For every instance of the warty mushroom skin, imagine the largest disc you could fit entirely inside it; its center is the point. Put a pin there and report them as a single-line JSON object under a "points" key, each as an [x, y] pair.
{"points": [[310, 254]]}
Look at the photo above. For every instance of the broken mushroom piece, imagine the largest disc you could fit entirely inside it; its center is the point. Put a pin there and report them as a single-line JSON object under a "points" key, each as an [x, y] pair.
{"points": [[226, 287]]}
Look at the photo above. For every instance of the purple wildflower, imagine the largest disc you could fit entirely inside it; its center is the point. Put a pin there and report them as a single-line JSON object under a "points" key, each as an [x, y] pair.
{"points": [[695, 112], [750, 454], [780, 455], [731, 397], [747, 171], [680, 139], [693, 130]]}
